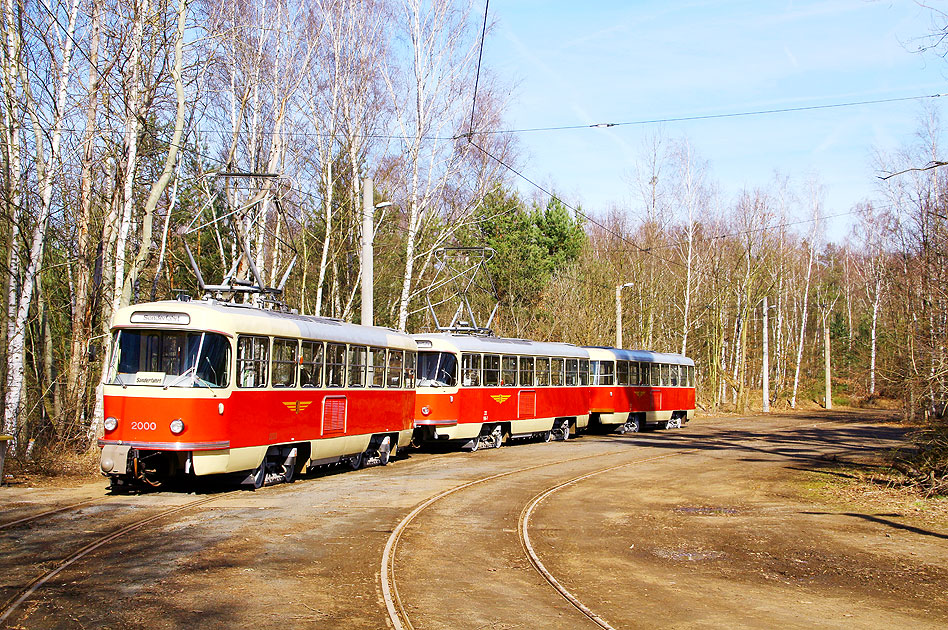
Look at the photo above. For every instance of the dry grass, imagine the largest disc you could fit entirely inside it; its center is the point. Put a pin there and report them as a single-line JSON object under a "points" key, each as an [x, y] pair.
{"points": [[52, 469], [877, 491]]}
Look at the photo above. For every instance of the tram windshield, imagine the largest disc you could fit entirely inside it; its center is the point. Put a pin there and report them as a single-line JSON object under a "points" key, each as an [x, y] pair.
{"points": [[170, 358], [437, 369]]}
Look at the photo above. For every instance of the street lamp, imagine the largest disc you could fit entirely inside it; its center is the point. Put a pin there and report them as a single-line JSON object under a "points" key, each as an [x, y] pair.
{"points": [[619, 312], [368, 254]]}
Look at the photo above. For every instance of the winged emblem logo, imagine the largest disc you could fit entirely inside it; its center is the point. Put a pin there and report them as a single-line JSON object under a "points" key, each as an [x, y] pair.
{"points": [[298, 406], [500, 398]]}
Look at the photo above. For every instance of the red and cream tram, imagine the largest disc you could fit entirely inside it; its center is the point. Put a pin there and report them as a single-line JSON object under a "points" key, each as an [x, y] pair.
{"points": [[630, 389], [205, 387], [481, 390]]}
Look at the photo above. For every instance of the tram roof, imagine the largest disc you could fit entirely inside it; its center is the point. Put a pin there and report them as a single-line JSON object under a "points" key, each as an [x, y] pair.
{"points": [[230, 318], [645, 355], [500, 345]]}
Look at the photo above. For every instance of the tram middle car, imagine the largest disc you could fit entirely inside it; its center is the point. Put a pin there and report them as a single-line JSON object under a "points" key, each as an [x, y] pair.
{"points": [[207, 388], [481, 391], [634, 389]]}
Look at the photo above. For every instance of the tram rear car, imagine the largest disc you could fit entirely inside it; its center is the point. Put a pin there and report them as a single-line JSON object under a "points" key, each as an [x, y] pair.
{"points": [[632, 389], [480, 391], [208, 388]]}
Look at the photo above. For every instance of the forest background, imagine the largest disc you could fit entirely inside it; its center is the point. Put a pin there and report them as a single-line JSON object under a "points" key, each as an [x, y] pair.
{"points": [[133, 127]]}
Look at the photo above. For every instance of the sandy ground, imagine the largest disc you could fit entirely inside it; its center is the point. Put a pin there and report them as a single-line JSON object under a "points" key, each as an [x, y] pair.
{"points": [[746, 522]]}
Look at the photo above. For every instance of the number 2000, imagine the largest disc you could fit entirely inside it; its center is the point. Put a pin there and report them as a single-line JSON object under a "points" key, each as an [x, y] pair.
{"points": [[144, 426]]}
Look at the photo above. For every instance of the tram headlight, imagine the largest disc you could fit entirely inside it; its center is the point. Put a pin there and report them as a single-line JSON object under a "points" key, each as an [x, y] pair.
{"points": [[425, 410], [110, 423], [177, 426]]}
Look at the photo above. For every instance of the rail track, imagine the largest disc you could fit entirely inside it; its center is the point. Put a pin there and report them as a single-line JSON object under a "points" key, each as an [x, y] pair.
{"points": [[397, 613], [65, 508], [12, 604]]}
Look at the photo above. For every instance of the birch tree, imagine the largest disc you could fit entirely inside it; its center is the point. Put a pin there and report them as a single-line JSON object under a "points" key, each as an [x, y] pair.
{"points": [[815, 202], [428, 96], [46, 171]]}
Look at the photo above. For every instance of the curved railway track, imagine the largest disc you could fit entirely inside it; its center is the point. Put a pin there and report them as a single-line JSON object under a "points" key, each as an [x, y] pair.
{"points": [[397, 613], [11, 605], [65, 508], [524, 524]]}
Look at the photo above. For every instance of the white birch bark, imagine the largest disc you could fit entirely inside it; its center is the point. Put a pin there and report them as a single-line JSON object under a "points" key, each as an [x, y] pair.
{"points": [[46, 173], [814, 200]]}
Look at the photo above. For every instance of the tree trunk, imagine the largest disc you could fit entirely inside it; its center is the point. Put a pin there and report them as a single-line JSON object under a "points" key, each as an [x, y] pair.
{"points": [[159, 187]]}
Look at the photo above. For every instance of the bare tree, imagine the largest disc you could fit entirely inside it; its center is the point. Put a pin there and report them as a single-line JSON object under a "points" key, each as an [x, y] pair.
{"points": [[46, 172]]}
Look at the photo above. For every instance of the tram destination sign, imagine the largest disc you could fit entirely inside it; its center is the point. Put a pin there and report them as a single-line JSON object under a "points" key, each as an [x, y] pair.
{"points": [[160, 317]]}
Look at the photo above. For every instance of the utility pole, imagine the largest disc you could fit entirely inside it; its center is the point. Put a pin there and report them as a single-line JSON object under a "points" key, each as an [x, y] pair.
{"points": [[619, 312], [766, 363], [826, 355], [368, 254]]}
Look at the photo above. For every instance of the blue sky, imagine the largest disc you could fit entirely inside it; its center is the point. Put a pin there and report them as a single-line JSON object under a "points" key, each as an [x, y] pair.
{"points": [[575, 63]]}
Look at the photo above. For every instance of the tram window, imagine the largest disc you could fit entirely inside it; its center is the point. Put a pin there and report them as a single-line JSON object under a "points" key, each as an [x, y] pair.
{"points": [[335, 364], [183, 359], [408, 382], [633, 373], [543, 371], [556, 372], [311, 364], [284, 362], [252, 361], [357, 366], [471, 370], [673, 376], [508, 371], [622, 372], [654, 377], [691, 376], [584, 371], [491, 370], [605, 372], [376, 367], [437, 369], [526, 372], [664, 375], [396, 360], [572, 372]]}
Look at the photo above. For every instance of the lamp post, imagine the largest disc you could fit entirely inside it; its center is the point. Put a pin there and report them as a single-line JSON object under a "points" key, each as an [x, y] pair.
{"points": [[619, 312], [368, 254], [765, 369]]}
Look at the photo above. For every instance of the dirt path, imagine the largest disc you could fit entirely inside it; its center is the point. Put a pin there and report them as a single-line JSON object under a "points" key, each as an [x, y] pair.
{"points": [[711, 526]]}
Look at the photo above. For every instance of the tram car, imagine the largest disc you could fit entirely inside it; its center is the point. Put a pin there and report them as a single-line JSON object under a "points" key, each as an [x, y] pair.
{"points": [[210, 388], [481, 391], [634, 389]]}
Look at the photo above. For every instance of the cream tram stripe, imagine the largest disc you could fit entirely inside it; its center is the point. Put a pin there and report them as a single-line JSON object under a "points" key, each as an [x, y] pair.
{"points": [[535, 559], [13, 604]]}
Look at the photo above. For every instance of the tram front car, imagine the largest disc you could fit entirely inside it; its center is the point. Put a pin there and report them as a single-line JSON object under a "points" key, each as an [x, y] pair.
{"points": [[166, 394]]}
